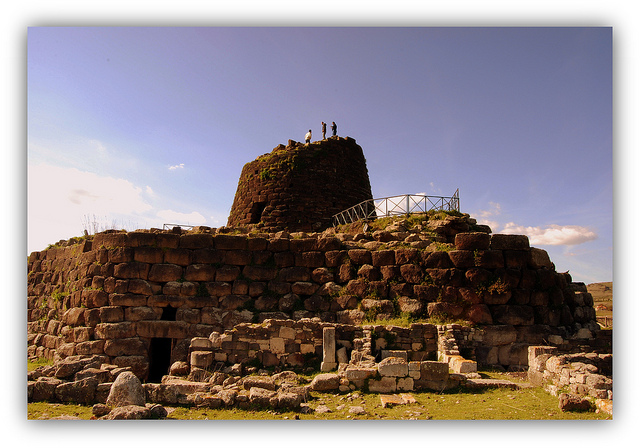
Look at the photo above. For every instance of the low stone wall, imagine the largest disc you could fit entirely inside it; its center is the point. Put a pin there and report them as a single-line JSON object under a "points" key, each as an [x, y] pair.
{"points": [[583, 374]]}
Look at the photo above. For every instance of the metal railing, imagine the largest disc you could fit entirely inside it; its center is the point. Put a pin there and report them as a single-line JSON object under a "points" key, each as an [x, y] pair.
{"points": [[170, 226], [397, 205]]}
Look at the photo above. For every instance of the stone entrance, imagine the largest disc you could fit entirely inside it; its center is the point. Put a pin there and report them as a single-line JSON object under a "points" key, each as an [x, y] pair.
{"points": [[159, 358]]}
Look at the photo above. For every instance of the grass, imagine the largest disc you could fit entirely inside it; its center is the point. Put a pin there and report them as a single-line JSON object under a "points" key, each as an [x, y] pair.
{"points": [[457, 404]]}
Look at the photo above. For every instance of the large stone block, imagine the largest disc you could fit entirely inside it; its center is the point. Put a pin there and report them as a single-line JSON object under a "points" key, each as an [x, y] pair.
{"points": [[326, 382], [201, 359], [196, 241], [93, 298], [132, 269], [392, 366], [384, 385], [81, 392], [119, 330], [434, 371], [126, 346], [162, 329], [230, 242], [165, 273], [472, 241], [151, 255], [199, 273], [540, 259], [259, 273], [509, 242]]}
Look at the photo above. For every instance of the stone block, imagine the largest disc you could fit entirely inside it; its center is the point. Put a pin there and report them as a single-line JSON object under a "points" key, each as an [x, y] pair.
{"points": [[384, 385], [472, 241], [201, 359], [509, 242], [111, 314], [539, 259], [405, 384], [126, 346], [165, 272], [119, 330], [151, 255], [392, 366], [326, 382], [402, 354], [276, 345], [383, 258], [460, 365], [162, 329], [434, 371]]}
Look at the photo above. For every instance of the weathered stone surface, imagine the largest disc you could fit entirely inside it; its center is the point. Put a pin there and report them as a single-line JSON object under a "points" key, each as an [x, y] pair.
{"points": [[540, 259], [472, 241], [571, 402], [384, 386], [360, 373], [81, 392], [128, 412], [325, 382], [393, 366], [434, 370], [126, 390], [261, 397], [263, 382], [44, 389]]}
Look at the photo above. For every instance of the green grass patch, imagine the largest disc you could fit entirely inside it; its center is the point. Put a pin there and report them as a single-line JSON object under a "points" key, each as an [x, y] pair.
{"points": [[459, 404]]}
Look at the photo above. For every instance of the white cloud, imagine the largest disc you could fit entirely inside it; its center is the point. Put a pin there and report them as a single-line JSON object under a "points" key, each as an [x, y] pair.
{"points": [[487, 217], [553, 235], [60, 199], [175, 167], [172, 217]]}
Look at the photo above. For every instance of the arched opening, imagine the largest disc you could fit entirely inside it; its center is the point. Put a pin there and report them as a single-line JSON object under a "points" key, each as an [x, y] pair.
{"points": [[256, 212]]}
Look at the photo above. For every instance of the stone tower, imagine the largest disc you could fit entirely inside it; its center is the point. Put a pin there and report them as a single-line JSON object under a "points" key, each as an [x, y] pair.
{"points": [[299, 187]]}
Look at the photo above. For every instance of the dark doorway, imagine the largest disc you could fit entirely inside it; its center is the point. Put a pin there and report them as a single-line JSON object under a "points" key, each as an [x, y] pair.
{"points": [[256, 212], [159, 359], [168, 313]]}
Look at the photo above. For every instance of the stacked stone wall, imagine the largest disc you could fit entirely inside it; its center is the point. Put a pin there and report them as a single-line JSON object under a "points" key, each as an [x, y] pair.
{"points": [[582, 374], [299, 187], [112, 295]]}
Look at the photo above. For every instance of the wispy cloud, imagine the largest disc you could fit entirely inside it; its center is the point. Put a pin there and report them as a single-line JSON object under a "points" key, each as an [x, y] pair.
{"points": [[488, 217], [553, 235], [173, 217], [59, 199], [176, 167]]}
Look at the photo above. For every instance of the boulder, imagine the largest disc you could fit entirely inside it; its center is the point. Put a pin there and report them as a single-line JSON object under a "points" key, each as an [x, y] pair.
{"points": [[81, 392], [325, 382], [261, 397], [129, 412], [571, 402], [44, 389], [100, 410], [126, 390], [179, 368]]}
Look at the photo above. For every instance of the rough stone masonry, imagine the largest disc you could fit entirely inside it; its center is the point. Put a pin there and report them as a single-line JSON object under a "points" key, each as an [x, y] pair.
{"points": [[137, 299]]}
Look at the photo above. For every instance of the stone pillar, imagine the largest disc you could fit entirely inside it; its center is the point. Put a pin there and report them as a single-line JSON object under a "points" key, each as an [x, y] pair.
{"points": [[328, 349]]}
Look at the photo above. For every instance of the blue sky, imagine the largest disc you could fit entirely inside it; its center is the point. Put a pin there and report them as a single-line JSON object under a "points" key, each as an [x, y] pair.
{"points": [[144, 126]]}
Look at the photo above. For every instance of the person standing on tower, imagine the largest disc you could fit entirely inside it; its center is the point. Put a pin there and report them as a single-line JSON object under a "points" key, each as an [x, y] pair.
{"points": [[334, 128], [307, 138], [324, 130]]}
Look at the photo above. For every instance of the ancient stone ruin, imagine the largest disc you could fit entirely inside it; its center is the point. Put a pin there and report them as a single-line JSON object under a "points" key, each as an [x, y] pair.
{"points": [[299, 187], [190, 312]]}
